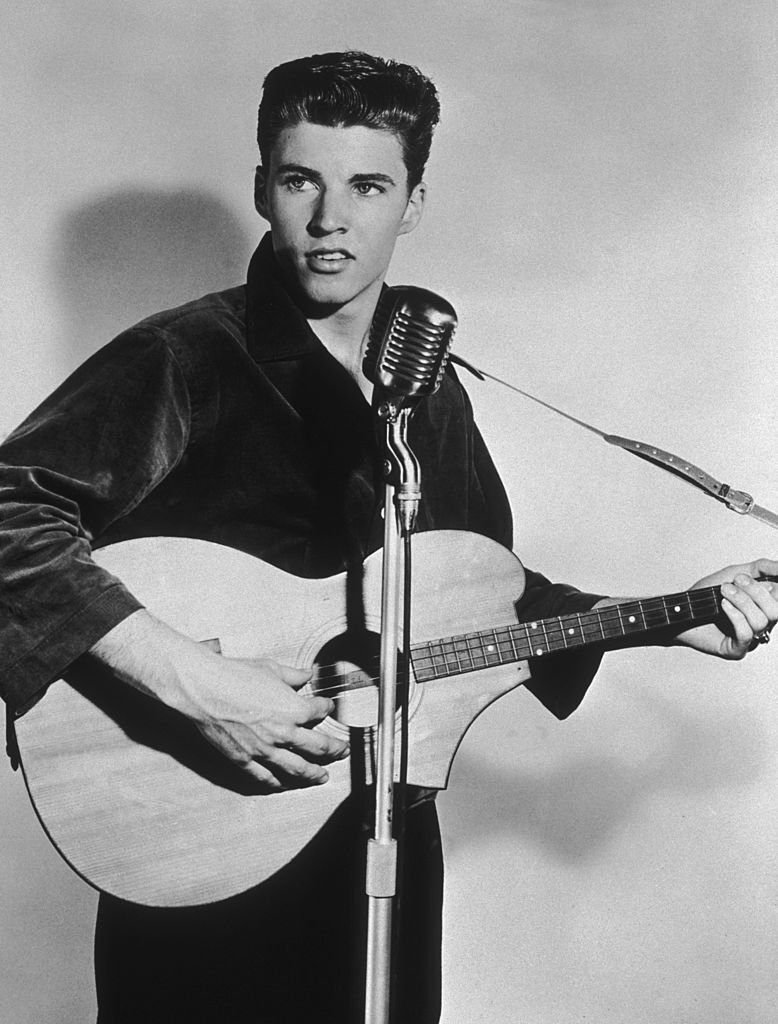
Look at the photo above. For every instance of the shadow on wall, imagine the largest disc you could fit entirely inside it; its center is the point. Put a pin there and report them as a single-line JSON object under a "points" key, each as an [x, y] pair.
{"points": [[573, 811], [126, 255]]}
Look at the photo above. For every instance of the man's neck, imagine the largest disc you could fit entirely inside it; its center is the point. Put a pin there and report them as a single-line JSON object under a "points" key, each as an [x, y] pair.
{"points": [[344, 334]]}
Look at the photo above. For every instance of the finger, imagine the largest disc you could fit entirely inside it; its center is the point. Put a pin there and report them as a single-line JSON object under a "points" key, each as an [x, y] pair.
{"points": [[292, 676], [742, 634], [755, 619], [314, 710], [764, 594], [291, 754], [274, 768], [237, 754], [755, 601], [284, 773], [293, 771], [318, 746], [266, 781], [763, 567]]}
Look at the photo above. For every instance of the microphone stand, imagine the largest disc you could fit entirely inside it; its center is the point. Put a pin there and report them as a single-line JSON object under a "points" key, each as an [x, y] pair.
{"points": [[401, 500]]}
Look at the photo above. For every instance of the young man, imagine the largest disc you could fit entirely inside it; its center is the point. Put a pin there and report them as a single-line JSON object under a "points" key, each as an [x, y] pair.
{"points": [[244, 418]]}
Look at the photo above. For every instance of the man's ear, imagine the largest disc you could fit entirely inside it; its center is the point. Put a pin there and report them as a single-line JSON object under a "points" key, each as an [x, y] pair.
{"points": [[414, 209], [260, 193]]}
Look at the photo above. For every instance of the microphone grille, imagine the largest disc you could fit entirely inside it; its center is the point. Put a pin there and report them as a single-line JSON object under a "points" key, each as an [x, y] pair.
{"points": [[409, 342]]}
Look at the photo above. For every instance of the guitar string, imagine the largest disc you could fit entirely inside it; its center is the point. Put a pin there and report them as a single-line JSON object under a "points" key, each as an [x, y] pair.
{"points": [[700, 602]]}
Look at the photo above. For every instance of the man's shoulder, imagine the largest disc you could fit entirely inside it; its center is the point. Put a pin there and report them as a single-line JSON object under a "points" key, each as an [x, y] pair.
{"points": [[198, 335], [214, 314]]}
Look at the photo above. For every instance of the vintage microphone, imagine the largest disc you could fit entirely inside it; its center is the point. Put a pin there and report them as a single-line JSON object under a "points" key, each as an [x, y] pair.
{"points": [[409, 342], [405, 359]]}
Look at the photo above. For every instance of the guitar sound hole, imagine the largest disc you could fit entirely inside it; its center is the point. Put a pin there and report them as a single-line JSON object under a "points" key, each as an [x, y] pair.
{"points": [[347, 671]]}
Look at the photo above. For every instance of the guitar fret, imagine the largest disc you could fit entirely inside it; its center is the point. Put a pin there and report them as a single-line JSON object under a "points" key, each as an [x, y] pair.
{"points": [[423, 662], [463, 654], [655, 614], [505, 648], [564, 635], [450, 657], [568, 632], [438, 660], [610, 622], [631, 617], [492, 654], [671, 608], [540, 650], [479, 660], [537, 646], [521, 643], [641, 605], [514, 649], [704, 603], [622, 620], [475, 649], [592, 628]]}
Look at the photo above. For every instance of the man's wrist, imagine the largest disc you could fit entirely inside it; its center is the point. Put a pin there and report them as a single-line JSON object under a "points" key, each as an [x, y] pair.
{"points": [[153, 658]]}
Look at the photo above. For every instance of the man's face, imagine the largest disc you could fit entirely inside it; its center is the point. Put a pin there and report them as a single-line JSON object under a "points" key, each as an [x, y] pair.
{"points": [[336, 200]]}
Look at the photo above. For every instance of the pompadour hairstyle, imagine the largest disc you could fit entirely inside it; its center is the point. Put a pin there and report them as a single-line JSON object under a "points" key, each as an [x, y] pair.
{"points": [[340, 90]]}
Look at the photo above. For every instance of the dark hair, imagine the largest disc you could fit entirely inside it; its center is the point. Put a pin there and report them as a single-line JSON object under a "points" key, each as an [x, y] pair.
{"points": [[341, 90]]}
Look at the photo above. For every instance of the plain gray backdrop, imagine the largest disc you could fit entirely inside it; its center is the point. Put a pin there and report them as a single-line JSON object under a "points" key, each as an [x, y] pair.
{"points": [[602, 214]]}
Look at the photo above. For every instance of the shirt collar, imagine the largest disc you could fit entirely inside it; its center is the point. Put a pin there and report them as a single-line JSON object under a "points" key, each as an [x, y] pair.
{"points": [[275, 327]]}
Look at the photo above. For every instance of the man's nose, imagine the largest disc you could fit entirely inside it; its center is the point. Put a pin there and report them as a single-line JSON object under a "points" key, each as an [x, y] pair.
{"points": [[330, 213]]}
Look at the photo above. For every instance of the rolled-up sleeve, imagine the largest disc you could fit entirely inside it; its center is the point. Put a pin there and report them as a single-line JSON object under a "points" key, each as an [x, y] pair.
{"points": [[87, 456]]}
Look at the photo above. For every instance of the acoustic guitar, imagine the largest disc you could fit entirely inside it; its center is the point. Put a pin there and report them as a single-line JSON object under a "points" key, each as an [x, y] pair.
{"points": [[141, 806]]}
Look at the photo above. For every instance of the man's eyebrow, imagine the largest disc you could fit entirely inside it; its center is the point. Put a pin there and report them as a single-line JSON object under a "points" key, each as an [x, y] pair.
{"points": [[377, 176], [309, 172]]}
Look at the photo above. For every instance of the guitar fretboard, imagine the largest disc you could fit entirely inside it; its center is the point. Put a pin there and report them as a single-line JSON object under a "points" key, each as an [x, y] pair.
{"points": [[469, 652]]}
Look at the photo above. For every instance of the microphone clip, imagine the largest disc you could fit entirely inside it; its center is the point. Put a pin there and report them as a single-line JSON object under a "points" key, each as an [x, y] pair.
{"points": [[401, 467]]}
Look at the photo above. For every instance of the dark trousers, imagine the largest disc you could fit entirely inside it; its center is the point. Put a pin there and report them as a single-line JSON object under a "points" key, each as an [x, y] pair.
{"points": [[290, 951]]}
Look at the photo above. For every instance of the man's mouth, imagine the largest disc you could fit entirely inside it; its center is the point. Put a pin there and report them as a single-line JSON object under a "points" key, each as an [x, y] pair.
{"points": [[330, 255], [328, 261]]}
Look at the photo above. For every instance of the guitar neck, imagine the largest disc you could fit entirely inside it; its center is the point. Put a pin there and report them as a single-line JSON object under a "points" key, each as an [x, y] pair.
{"points": [[469, 652]]}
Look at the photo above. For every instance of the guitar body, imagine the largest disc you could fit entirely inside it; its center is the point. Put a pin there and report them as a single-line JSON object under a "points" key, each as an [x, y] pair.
{"points": [[142, 807]]}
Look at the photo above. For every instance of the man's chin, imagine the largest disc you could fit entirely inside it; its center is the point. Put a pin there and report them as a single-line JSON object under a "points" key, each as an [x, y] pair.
{"points": [[320, 298], [317, 303]]}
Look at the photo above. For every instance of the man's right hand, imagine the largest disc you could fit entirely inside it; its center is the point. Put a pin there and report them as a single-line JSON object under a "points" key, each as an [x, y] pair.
{"points": [[249, 710], [254, 716]]}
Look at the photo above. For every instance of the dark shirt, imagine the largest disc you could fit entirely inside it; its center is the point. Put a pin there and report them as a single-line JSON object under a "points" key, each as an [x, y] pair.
{"points": [[225, 419]]}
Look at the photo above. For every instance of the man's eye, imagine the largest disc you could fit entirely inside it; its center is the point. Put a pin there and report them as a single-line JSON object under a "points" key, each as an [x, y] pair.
{"points": [[368, 188], [297, 183]]}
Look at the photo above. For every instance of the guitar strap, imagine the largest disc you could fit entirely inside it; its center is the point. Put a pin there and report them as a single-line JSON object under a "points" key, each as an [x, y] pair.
{"points": [[738, 501]]}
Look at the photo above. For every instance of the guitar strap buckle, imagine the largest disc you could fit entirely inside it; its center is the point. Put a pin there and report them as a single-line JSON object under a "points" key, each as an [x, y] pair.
{"points": [[738, 501]]}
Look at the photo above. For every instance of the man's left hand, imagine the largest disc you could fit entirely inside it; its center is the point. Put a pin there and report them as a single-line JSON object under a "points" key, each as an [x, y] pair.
{"points": [[750, 603]]}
